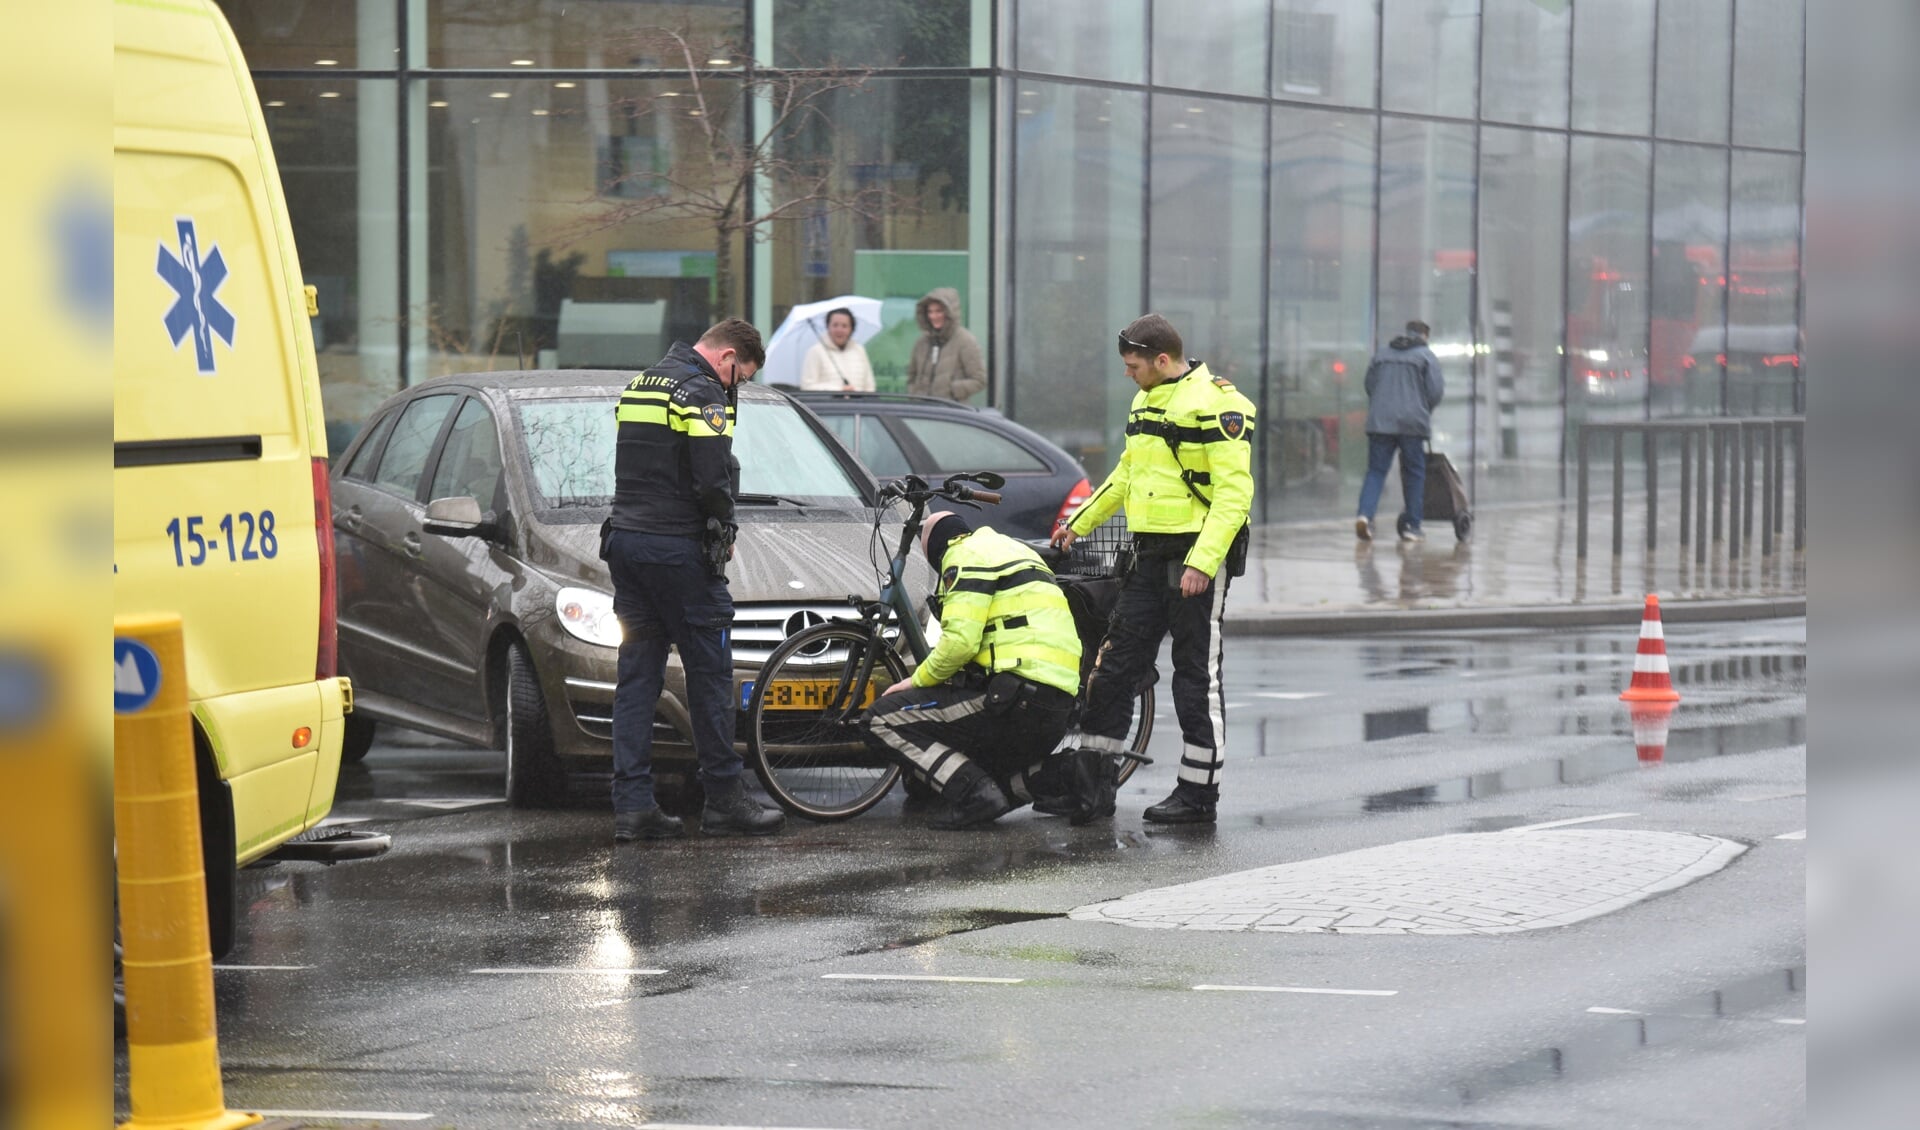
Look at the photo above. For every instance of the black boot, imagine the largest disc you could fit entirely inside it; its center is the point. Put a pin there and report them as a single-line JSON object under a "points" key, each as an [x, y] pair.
{"points": [[1051, 785], [972, 799], [647, 824], [1096, 780], [1188, 804], [731, 812]]}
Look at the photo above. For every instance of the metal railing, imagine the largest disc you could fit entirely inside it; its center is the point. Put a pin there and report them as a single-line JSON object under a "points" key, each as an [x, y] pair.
{"points": [[1725, 448]]}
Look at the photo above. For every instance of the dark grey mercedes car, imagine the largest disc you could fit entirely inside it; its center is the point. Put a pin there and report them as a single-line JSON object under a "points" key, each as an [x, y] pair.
{"points": [[473, 601]]}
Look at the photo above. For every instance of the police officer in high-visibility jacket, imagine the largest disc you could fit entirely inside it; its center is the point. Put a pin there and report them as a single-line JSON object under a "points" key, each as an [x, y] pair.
{"points": [[985, 709], [666, 545], [1186, 482]]}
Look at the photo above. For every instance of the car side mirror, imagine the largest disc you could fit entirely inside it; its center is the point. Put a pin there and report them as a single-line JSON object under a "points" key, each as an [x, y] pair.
{"points": [[458, 517]]}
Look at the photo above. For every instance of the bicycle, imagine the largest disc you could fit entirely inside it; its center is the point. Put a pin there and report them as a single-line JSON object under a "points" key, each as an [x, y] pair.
{"points": [[806, 709]]}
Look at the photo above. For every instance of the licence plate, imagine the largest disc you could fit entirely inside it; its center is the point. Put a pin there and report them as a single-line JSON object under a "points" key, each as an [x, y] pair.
{"points": [[801, 694]]}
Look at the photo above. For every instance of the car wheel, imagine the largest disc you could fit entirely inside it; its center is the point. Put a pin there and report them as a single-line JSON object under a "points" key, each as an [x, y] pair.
{"points": [[535, 776], [357, 739]]}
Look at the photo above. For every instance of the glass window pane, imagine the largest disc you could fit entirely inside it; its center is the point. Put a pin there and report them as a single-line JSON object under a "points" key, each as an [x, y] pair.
{"points": [[566, 222], [1321, 264], [872, 33], [880, 451], [1523, 67], [1613, 65], [1767, 70], [335, 143], [843, 426], [1323, 50], [780, 453], [1428, 55], [582, 33], [1522, 201], [1078, 233], [362, 466], [957, 446], [470, 463], [1220, 45], [1426, 255], [1763, 287], [898, 159], [1688, 304], [1695, 65], [1607, 280], [405, 458], [1083, 38], [362, 34], [570, 447]]}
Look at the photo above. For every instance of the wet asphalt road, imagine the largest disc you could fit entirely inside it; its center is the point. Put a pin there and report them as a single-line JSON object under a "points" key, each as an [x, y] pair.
{"points": [[368, 989]]}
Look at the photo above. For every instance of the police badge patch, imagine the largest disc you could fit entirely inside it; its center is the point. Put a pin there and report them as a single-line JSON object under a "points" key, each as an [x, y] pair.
{"points": [[949, 577], [1233, 423], [715, 416]]}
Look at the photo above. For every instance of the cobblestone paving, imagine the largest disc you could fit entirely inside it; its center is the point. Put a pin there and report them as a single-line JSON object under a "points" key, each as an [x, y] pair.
{"points": [[1473, 883]]}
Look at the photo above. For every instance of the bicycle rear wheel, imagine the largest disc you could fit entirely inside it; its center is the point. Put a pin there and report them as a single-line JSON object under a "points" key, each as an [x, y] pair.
{"points": [[1139, 731], [804, 721]]}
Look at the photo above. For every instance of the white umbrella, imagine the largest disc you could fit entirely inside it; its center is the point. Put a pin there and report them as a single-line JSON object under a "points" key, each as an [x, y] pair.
{"points": [[805, 326]]}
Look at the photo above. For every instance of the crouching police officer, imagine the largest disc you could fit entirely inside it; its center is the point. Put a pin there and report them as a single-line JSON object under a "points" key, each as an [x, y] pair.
{"points": [[1186, 483], [993, 699], [667, 544]]}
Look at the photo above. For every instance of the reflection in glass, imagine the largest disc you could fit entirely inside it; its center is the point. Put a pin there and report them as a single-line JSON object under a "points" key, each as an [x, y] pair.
{"points": [[1219, 45], [1613, 65], [1768, 64], [1523, 68], [1428, 55], [1084, 38], [1075, 278], [1323, 50], [1522, 201], [361, 34], [1607, 227], [1688, 305], [1694, 67], [1321, 288], [872, 33], [1763, 287], [1427, 256], [581, 33]]}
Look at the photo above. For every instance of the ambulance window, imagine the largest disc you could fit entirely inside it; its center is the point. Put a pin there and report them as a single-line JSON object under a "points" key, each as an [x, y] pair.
{"points": [[362, 465], [470, 463], [405, 459]]}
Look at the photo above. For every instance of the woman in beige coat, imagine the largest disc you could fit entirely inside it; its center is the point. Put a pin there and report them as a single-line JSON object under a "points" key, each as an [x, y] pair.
{"points": [[946, 361]]}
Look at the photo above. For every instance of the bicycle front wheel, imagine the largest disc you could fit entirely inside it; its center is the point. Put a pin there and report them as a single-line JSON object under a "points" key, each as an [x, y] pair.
{"points": [[1139, 731], [805, 721]]}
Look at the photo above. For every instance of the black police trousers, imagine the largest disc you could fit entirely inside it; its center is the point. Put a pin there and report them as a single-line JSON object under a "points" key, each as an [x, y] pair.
{"points": [[1149, 607], [933, 731]]}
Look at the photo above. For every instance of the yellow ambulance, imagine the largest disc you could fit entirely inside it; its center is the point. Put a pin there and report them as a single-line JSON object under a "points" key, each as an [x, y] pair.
{"points": [[221, 506]]}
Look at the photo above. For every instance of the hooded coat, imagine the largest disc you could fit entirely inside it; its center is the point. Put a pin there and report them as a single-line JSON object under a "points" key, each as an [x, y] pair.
{"points": [[949, 363], [1404, 386]]}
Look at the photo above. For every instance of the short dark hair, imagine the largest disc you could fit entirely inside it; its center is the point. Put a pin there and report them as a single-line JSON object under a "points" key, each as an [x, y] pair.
{"points": [[738, 335], [1419, 328], [851, 320], [1149, 336]]}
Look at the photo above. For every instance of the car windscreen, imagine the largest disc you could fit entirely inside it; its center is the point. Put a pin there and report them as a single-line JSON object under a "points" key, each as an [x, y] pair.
{"points": [[570, 450]]}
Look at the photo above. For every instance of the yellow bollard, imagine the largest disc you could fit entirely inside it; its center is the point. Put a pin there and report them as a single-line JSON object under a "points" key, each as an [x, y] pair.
{"points": [[173, 1057]]}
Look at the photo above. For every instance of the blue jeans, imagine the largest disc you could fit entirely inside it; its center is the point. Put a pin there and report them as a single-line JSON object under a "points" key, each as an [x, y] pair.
{"points": [[664, 596], [1413, 473]]}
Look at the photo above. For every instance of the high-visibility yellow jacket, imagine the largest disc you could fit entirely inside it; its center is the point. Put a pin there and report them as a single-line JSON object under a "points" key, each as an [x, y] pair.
{"points": [[1211, 426], [1000, 609]]}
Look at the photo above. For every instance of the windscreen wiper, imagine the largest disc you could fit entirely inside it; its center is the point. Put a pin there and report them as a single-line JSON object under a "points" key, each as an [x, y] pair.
{"points": [[766, 500]]}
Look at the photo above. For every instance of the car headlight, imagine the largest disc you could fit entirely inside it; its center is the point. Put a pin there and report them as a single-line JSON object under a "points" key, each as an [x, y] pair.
{"points": [[588, 615]]}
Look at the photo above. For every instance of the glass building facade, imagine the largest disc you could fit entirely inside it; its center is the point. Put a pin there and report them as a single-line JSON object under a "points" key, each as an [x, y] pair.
{"points": [[1596, 204]]}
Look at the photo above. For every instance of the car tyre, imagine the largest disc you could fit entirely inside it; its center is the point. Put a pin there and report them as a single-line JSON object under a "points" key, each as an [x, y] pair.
{"points": [[357, 739], [535, 776]]}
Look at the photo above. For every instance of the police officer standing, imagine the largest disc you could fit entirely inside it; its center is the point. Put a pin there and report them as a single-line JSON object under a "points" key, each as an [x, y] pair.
{"points": [[992, 700], [1186, 482], [666, 545]]}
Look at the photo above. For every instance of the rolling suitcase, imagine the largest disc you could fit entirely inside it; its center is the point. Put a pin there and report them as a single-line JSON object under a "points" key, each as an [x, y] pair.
{"points": [[1446, 499]]}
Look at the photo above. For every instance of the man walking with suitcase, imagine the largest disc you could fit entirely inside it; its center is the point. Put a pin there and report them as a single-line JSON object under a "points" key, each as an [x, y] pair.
{"points": [[1404, 386]]}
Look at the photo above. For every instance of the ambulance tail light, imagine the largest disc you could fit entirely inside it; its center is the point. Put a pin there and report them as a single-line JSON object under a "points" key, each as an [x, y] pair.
{"points": [[1076, 498], [327, 660]]}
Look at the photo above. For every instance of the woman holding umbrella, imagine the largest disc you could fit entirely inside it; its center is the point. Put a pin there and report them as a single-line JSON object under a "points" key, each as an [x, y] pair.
{"points": [[838, 363]]}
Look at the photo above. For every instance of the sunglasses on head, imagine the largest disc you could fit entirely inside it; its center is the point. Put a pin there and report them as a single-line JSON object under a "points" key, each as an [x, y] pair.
{"points": [[1139, 346]]}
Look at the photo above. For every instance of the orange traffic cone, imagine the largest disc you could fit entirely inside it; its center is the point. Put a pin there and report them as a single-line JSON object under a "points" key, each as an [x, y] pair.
{"points": [[1651, 680], [1650, 730]]}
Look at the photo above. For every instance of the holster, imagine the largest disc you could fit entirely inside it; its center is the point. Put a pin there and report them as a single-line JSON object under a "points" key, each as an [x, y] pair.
{"points": [[1236, 562], [717, 543], [1004, 692], [606, 538]]}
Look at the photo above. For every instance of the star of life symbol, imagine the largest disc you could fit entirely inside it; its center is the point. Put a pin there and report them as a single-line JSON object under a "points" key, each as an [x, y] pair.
{"points": [[196, 308]]}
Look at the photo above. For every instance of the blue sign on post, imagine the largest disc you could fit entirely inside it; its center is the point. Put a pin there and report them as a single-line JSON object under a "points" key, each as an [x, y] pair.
{"points": [[136, 675]]}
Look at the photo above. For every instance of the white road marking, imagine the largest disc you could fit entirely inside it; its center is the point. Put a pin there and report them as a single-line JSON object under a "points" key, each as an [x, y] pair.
{"points": [[1800, 835], [1296, 989], [1613, 1011], [1789, 1020], [1566, 823], [1771, 796], [575, 970], [920, 977], [1290, 696], [445, 804], [1235, 705], [261, 968], [354, 1115]]}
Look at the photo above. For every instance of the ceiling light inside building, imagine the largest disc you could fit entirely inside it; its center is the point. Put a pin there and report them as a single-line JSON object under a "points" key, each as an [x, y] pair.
{"points": [[500, 94], [540, 113], [329, 94], [564, 85], [1196, 109], [719, 62], [276, 103], [438, 105], [326, 62], [523, 62]]}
